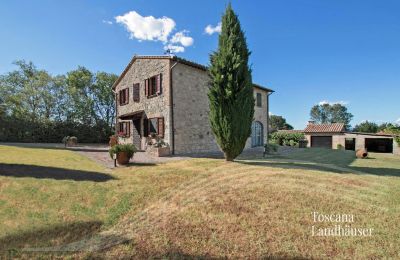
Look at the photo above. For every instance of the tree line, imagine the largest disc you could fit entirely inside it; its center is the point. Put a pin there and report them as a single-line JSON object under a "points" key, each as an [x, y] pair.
{"points": [[36, 106]]}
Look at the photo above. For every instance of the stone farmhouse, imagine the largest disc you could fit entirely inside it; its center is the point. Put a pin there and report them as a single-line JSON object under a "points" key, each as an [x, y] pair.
{"points": [[167, 96]]}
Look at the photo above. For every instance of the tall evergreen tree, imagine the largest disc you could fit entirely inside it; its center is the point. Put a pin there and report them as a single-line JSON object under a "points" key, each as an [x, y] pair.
{"points": [[231, 91]]}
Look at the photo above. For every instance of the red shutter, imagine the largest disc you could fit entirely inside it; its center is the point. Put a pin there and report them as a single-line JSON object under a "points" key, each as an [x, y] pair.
{"points": [[146, 87], [136, 92], [158, 84], [127, 96], [160, 126]]}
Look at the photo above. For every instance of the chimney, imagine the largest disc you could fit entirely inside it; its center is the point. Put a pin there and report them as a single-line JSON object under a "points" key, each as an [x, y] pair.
{"points": [[311, 122]]}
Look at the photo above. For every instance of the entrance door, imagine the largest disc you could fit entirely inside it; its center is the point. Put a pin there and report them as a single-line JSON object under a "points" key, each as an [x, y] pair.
{"points": [[136, 134], [321, 141], [257, 135]]}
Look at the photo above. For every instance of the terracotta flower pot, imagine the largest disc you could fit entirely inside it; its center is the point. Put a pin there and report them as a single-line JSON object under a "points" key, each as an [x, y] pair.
{"points": [[122, 158], [362, 153]]}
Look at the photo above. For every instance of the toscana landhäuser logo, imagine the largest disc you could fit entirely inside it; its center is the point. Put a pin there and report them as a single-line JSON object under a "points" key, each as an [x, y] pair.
{"points": [[337, 225]]}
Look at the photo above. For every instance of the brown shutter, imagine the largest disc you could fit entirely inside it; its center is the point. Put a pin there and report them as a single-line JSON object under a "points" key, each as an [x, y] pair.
{"points": [[136, 93], [160, 126], [127, 96], [146, 87], [129, 127], [158, 84], [120, 97]]}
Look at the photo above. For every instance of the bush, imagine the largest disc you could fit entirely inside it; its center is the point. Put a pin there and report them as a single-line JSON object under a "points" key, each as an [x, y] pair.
{"points": [[130, 149], [340, 147], [287, 138], [270, 148]]}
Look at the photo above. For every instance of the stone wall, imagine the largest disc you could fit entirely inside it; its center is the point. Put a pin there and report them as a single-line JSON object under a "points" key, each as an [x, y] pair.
{"points": [[191, 107], [193, 133], [157, 106]]}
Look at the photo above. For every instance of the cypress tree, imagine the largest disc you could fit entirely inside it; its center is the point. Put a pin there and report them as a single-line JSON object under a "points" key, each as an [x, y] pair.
{"points": [[231, 91]]}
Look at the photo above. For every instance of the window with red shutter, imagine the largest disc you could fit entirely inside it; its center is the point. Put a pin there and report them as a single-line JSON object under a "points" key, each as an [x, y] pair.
{"points": [[160, 126], [153, 86], [124, 96]]}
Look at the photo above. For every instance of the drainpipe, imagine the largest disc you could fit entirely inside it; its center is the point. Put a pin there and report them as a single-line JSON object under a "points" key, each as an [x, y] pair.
{"points": [[171, 104], [269, 93]]}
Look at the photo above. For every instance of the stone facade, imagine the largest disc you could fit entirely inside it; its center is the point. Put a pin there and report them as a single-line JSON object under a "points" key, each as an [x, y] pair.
{"points": [[189, 112], [157, 106]]}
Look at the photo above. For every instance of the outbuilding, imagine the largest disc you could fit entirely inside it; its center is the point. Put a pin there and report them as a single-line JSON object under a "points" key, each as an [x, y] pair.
{"points": [[335, 136]]}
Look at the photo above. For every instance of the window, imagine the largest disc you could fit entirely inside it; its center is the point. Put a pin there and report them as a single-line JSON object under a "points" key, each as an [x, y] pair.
{"points": [[136, 92], [153, 86], [124, 129], [154, 126], [124, 96], [259, 100]]}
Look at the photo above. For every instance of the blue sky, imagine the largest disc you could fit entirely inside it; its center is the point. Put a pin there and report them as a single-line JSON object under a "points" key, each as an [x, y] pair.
{"points": [[308, 51]]}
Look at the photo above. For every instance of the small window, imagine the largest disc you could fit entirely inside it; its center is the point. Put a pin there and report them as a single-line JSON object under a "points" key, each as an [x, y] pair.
{"points": [[259, 100], [124, 96], [124, 129], [154, 126], [136, 92], [153, 86]]}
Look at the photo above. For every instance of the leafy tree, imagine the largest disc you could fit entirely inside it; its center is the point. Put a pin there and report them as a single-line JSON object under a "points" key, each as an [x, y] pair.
{"points": [[328, 114], [278, 123], [38, 107], [366, 127], [231, 92]]}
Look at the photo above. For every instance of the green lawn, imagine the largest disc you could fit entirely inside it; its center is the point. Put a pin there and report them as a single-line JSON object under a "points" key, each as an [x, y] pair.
{"points": [[206, 208]]}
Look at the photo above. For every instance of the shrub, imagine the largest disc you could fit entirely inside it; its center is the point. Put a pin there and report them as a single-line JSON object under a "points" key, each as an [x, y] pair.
{"points": [[339, 147], [65, 140], [130, 149], [270, 148], [284, 138]]}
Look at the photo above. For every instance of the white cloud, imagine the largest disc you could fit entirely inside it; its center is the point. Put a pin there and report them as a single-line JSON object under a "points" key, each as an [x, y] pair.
{"points": [[324, 102], [398, 121], [146, 27], [182, 38], [107, 22], [174, 48], [270, 113], [213, 29]]}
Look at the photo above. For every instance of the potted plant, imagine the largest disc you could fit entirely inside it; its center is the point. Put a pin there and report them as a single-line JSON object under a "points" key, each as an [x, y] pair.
{"points": [[124, 152], [159, 148], [113, 140]]}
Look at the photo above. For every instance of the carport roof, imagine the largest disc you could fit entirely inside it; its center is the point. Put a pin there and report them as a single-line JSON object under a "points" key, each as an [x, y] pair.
{"points": [[325, 128]]}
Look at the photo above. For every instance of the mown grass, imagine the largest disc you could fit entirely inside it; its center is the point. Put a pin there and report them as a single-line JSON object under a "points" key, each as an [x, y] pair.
{"points": [[207, 208]]}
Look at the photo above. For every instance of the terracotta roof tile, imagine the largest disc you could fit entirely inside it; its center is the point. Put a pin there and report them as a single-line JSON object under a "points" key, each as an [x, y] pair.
{"points": [[174, 58], [325, 128]]}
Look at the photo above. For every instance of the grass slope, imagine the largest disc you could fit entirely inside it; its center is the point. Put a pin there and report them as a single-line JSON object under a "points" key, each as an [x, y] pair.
{"points": [[209, 208]]}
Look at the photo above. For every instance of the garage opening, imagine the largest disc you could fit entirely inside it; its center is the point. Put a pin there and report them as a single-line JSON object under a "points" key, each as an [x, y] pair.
{"points": [[350, 144], [321, 141], [379, 145]]}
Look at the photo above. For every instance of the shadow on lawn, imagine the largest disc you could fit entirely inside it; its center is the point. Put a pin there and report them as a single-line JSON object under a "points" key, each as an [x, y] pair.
{"points": [[50, 236], [43, 172], [294, 165]]}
